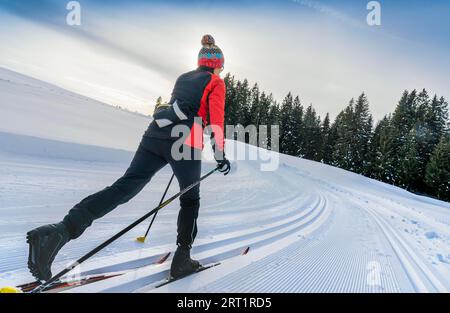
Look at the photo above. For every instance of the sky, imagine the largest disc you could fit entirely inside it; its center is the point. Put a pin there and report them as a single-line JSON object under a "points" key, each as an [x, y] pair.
{"points": [[128, 53]]}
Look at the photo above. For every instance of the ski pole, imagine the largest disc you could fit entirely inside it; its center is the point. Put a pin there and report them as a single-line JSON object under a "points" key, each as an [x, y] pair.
{"points": [[52, 280], [142, 238]]}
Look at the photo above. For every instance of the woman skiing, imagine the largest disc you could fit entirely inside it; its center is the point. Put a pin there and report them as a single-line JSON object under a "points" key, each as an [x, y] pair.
{"points": [[197, 95]]}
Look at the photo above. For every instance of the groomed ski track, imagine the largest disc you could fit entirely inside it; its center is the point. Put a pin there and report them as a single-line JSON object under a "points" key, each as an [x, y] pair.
{"points": [[310, 227]]}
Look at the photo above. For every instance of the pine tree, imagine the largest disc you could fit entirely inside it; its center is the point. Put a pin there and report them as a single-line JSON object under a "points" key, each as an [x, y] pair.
{"points": [[297, 128], [274, 119], [404, 119], [423, 137], [361, 134], [409, 172], [263, 117], [343, 149], [409, 148], [425, 122], [332, 139], [422, 106], [438, 170], [243, 102], [311, 148], [264, 108], [253, 113], [231, 103], [327, 141], [286, 126], [382, 153], [425, 147], [437, 118]]}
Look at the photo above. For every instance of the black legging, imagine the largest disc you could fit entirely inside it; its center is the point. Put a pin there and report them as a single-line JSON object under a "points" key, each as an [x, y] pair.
{"points": [[152, 155]]}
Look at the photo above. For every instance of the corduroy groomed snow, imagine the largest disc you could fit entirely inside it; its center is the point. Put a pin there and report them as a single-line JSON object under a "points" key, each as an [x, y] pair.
{"points": [[210, 55]]}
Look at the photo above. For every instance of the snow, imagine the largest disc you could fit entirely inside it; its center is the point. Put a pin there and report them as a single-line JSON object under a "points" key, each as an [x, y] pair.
{"points": [[431, 235], [310, 227], [26, 110]]}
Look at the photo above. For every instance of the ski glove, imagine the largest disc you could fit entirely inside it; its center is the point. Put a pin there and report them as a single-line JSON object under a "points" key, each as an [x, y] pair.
{"points": [[222, 163], [224, 166]]}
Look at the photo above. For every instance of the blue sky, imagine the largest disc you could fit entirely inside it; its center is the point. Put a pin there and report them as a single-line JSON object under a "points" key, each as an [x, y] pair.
{"points": [[130, 52]]}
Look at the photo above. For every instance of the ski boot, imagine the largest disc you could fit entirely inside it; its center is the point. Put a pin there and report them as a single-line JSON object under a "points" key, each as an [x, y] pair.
{"points": [[44, 243], [182, 264]]}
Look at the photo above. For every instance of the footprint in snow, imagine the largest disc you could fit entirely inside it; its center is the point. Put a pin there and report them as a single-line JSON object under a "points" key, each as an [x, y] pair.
{"points": [[442, 259], [431, 235]]}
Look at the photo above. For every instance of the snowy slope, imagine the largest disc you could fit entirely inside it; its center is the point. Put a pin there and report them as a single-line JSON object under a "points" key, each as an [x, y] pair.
{"points": [[310, 227], [26, 110]]}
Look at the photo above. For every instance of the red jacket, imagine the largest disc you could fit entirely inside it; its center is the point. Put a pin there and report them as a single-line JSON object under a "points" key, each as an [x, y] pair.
{"points": [[212, 104], [200, 94]]}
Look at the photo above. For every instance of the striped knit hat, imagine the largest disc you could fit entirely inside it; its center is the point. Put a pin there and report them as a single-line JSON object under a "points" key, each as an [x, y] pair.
{"points": [[210, 55]]}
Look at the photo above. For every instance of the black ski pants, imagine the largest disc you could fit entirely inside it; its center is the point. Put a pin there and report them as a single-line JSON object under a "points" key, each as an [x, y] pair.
{"points": [[152, 155]]}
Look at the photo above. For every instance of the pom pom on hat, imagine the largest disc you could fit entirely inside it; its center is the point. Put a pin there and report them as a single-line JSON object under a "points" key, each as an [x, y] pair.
{"points": [[210, 55], [208, 40]]}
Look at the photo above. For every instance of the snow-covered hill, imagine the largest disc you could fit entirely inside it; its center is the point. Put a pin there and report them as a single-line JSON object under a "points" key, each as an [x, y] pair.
{"points": [[309, 226], [29, 107]]}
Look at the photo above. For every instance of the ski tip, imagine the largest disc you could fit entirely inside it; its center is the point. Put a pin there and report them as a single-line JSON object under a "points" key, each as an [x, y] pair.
{"points": [[9, 289], [245, 251], [29, 286], [163, 258]]}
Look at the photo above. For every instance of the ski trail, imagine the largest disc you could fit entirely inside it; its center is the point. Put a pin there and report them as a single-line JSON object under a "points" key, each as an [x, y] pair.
{"points": [[310, 227], [423, 279], [217, 252], [239, 238], [330, 262], [368, 256]]}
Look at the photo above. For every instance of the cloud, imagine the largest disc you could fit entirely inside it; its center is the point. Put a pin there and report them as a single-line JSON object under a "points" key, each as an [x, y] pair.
{"points": [[330, 11], [129, 56]]}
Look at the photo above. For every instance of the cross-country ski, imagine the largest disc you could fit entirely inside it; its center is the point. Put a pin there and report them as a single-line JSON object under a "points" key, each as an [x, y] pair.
{"points": [[200, 269]]}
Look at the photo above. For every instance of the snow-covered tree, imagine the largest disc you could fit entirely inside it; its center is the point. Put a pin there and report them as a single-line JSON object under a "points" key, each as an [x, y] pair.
{"points": [[327, 140], [438, 170], [287, 142], [312, 135], [408, 172]]}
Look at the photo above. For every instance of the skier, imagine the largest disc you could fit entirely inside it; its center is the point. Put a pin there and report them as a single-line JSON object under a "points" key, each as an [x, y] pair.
{"points": [[195, 94]]}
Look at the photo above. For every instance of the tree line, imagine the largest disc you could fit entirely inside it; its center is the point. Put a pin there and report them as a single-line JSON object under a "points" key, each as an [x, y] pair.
{"points": [[409, 148]]}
